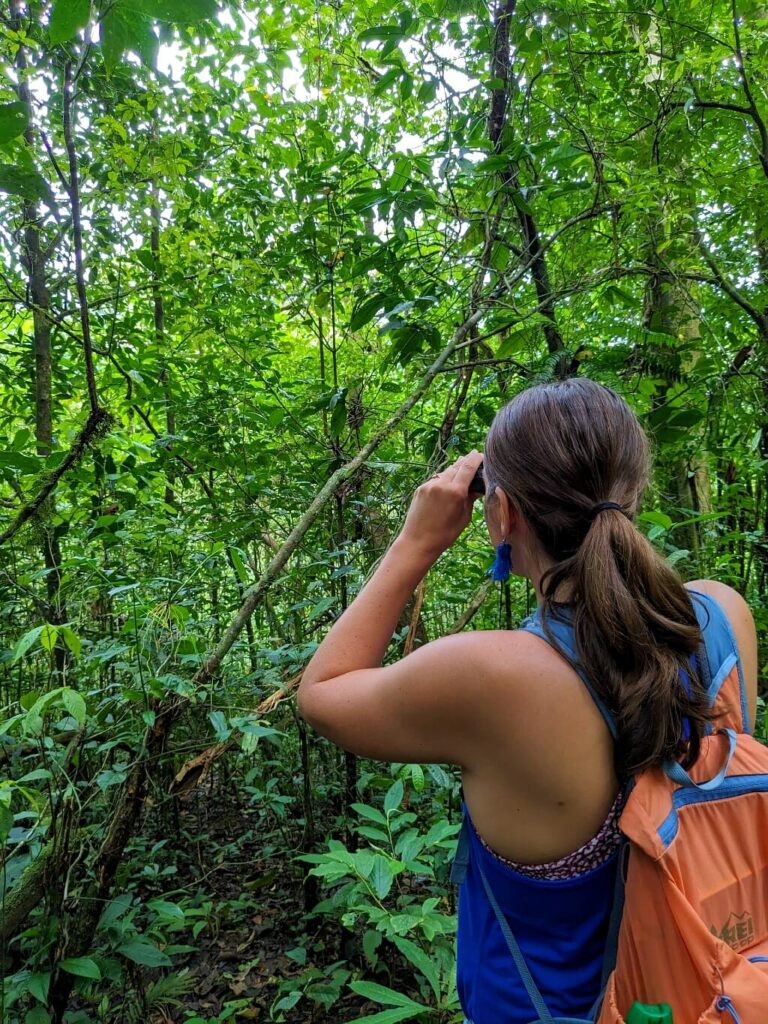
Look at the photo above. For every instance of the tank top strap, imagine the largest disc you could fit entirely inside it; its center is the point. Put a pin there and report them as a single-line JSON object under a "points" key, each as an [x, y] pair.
{"points": [[560, 637]]}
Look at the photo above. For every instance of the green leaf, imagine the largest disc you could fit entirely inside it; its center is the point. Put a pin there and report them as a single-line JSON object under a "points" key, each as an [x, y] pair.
{"points": [[221, 726], [389, 1016], [167, 910], [179, 12], [322, 606], [372, 813], [27, 184], [115, 909], [656, 519], [415, 955], [417, 777], [67, 18], [48, 637], [17, 460], [338, 418], [521, 202], [37, 1015], [38, 985], [144, 953], [401, 174], [81, 966], [13, 120], [6, 822], [687, 418], [386, 996], [71, 639], [381, 33], [371, 942], [394, 796], [27, 641], [382, 876], [237, 561], [74, 704], [367, 311], [124, 29]]}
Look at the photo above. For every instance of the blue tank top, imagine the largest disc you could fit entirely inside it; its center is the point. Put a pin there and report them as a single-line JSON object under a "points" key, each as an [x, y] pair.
{"points": [[561, 926]]}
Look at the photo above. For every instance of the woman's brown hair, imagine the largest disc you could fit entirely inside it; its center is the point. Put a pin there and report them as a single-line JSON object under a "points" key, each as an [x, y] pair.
{"points": [[557, 450]]}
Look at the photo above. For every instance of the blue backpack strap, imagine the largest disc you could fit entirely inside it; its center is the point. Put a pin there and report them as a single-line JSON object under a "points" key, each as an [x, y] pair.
{"points": [[721, 650], [458, 874], [675, 771], [545, 1017], [562, 632]]}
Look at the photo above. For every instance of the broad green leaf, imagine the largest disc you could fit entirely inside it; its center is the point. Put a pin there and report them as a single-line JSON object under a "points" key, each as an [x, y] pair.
{"points": [[144, 953], [115, 909], [74, 704], [81, 966], [13, 120], [220, 725], [386, 996], [177, 11], [367, 311], [124, 29], [18, 460], [67, 17], [417, 777], [382, 876], [48, 637], [25, 183], [38, 985], [322, 606], [237, 561], [167, 910], [390, 1016], [394, 796], [521, 202], [372, 813], [371, 942], [421, 961], [26, 642], [71, 639], [6, 821], [37, 1015]]}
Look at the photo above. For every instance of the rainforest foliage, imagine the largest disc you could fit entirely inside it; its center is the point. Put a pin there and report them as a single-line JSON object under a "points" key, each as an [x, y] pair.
{"points": [[263, 268]]}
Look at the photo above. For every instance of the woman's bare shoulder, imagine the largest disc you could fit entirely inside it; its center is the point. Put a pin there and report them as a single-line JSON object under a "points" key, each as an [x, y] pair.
{"points": [[743, 625]]}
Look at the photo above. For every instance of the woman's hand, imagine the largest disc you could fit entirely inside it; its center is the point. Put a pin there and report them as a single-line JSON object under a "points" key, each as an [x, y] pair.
{"points": [[442, 507]]}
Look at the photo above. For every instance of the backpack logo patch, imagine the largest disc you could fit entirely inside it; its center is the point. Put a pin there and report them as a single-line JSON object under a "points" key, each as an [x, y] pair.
{"points": [[738, 931]]}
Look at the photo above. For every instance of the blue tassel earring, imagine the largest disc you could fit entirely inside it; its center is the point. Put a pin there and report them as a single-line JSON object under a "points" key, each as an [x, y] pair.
{"points": [[502, 563]]}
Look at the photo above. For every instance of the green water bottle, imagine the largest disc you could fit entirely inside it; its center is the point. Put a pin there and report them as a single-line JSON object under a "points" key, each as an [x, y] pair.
{"points": [[650, 1013]]}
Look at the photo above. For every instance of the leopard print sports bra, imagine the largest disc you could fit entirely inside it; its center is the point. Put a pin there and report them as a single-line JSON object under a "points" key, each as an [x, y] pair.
{"points": [[597, 851]]}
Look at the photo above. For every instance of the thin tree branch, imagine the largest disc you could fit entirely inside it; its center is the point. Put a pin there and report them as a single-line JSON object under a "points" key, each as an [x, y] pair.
{"points": [[77, 230], [756, 116], [98, 424]]}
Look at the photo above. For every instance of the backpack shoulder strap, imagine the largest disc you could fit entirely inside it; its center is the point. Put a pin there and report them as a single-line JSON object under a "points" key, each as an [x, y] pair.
{"points": [[722, 655], [561, 640]]}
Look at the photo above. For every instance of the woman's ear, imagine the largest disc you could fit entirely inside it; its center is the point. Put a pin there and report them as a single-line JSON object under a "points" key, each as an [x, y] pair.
{"points": [[505, 511]]}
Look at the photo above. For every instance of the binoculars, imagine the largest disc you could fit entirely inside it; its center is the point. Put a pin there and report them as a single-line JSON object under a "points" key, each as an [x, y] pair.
{"points": [[477, 483]]}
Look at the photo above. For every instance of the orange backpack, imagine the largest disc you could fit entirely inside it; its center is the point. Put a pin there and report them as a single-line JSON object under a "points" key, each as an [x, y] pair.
{"points": [[694, 927], [689, 925]]}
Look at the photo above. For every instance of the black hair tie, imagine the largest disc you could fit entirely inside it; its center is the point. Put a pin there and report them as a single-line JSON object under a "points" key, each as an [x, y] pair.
{"points": [[601, 506]]}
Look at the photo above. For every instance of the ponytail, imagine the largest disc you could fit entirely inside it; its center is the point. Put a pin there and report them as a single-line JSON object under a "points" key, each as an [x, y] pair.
{"points": [[558, 450]]}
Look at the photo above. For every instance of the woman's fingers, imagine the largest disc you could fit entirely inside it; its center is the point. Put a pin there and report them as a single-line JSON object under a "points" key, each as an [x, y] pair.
{"points": [[465, 469]]}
